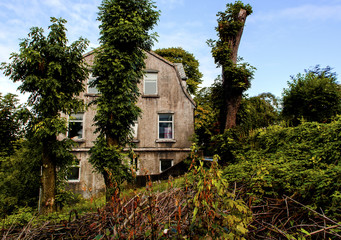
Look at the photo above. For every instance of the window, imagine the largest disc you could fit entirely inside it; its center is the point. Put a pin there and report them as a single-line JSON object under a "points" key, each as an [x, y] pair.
{"points": [[92, 90], [166, 126], [134, 128], [150, 84], [165, 164], [73, 174], [76, 126]]}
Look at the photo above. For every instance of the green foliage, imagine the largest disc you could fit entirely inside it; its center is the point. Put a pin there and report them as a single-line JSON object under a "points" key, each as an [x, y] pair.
{"points": [[49, 70], [303, 161], [314, 96], [115, 163], [216, 211], [19, 178], [12, 119], [190, 63], [23, 215], [118, 67], [206, 118], [119, 63], [255, 112], [236, 77], [258, 112], [52, 73], [20, 217]]}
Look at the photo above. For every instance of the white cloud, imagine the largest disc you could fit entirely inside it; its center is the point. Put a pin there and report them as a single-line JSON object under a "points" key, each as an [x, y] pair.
{"points": [[304, 12]]}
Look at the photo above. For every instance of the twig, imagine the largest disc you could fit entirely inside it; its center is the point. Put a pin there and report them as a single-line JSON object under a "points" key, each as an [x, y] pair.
{"points": [[323, 216], [321, 230]]}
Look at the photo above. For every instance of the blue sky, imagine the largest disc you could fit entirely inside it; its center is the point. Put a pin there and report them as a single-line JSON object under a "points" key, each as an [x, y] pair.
{"points": [[281, 38]]}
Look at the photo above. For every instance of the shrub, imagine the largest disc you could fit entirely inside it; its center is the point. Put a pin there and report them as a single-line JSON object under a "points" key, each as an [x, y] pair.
{"points": [[302, 161]]}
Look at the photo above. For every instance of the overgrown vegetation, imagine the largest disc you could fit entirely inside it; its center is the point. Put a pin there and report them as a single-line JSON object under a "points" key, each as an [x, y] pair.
{"points": [[302, 161], [19, 178], [118, 67], [277, 179], [202, 206]]}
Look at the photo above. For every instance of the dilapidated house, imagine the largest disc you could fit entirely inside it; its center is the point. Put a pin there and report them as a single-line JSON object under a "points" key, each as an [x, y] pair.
{"points": [[162, 134]]}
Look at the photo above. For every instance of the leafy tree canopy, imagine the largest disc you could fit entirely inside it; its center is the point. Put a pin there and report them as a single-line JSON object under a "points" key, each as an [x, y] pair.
{"points": [[52, 72], [119, 63], [314, 95], [190, 63], [118, 67]]}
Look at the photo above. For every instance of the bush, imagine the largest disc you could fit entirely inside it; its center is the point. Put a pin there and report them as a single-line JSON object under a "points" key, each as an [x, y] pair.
{"points": [[314, 96], [19, 179], [303, 161]]}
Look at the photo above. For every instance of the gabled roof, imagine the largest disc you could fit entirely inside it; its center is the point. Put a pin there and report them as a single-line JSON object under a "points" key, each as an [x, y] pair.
{"points": [[177, 66]]}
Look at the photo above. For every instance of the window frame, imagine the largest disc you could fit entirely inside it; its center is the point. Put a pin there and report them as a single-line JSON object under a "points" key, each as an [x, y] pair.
{"points": [[135, 128], [158, 127], [79, 172], [160, 161], [146, 79], [76, 120], [90, 79]]}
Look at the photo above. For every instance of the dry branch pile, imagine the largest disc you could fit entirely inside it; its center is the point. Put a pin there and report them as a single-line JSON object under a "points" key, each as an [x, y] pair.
{"points": [[141, 217], [287, 219], [167, 215]]}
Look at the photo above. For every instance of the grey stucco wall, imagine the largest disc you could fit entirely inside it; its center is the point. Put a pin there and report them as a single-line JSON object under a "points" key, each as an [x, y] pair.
{"points": [[171, 98]]}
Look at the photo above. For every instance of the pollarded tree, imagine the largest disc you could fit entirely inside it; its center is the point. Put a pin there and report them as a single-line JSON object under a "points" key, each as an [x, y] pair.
{"points": [[235, 77], [190, 63], [52, 73], [313, 96], [118, 67]]}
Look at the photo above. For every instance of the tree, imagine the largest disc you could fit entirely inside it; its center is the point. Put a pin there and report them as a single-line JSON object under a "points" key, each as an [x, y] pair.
{"points": [[191, 65], [258, 112], [118, 68], [235, 77], [12, 118], [53, 74], [314, 96]]}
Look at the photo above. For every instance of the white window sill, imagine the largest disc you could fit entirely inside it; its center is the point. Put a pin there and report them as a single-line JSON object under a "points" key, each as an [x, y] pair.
{"points": [[165, 140], [73, 181]]}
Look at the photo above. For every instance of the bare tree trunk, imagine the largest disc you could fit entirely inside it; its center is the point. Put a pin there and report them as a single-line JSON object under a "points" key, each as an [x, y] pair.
{"points": [[48, 180]]}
